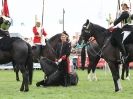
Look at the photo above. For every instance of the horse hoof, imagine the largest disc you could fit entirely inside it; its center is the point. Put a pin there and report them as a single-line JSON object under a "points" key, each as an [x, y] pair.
{"points": [[37, 84], [30, 83], [94, 79], [26, 90], [21, 89], [127, 78], [89, 79], [82, 68], [17, 79], [122, 78], [118, 90]]}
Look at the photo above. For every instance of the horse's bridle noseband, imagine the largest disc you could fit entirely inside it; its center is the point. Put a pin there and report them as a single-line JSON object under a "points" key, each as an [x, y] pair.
{"points": [[87, 28]]}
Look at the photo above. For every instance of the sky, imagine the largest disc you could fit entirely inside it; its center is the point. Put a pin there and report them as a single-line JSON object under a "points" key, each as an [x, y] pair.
{"points": [[76, 13]]}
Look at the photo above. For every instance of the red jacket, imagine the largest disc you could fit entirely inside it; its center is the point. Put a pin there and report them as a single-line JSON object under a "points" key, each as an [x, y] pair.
{"points": [[37, 38]]}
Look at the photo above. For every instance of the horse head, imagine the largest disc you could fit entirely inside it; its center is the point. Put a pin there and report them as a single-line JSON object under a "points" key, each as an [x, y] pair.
{"points": [[54, 40], [85, 32], [90, 29], [49, 50]]}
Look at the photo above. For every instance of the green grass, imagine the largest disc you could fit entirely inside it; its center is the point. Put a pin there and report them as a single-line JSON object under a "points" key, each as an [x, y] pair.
{"points": [[101, 89]]}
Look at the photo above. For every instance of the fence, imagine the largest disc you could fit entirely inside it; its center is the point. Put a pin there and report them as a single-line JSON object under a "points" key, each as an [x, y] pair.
{"points": [[101, 64], [9, 66]]}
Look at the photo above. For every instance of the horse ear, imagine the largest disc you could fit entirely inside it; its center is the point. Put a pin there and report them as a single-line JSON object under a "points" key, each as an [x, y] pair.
{"points": [[87, 21]]}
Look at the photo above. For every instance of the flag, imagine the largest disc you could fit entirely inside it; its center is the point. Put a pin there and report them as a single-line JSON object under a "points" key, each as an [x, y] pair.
{"points": [[5, 10]]}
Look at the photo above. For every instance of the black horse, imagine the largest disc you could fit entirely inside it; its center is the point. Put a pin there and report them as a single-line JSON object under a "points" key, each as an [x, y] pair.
{"points": [[39, 51], [50, 68], [109, 52], [54, 76], [17, 51], [94, 55]]}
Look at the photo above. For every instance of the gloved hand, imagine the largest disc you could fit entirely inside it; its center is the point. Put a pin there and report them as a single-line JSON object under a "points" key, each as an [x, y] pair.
{"points": [[63, 57], [56, 63], [59, 60], [111, 29]]}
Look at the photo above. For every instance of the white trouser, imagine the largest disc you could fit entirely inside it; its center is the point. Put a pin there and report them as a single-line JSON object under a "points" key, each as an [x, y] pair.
{"points": [[43, 41], [1, 37], [126, 33]]}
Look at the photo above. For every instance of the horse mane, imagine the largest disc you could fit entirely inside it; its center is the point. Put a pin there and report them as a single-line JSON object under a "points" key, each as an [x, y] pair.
{"points": [[100, 28], [55, 36]]}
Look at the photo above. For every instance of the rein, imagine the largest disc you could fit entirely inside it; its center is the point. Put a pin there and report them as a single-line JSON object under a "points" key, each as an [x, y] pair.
{"points": [[99, 53], [51, 48], [93, 52]]}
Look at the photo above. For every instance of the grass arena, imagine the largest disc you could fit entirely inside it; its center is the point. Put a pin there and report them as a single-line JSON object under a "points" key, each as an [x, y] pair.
{"points": [[101, 89]]}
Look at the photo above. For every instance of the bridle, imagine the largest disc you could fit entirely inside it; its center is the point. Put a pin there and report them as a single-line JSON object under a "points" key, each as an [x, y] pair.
{"points": [[87, 29]]}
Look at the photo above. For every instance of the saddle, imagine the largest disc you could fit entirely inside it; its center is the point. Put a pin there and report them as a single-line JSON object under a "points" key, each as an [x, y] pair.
{"points": [[6, 43]]}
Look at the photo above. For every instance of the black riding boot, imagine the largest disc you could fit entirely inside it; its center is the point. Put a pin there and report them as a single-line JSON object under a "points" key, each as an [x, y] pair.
{"points": [[42, 46], [124, 54]]}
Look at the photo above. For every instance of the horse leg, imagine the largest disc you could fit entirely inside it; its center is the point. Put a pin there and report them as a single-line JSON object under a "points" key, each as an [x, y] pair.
{"points": [[83, 58], [30, 69], [92, 66], [123, 71], [94, 77], [89, 70], [125, 68], [54, 79], [115, 73], [24, 85], [16, 70], [127, 72], [17, 75], [40, 83]]}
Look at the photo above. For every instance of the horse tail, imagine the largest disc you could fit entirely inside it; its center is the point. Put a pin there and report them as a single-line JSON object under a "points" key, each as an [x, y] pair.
{"points": [[83, 58], [29, 63]]}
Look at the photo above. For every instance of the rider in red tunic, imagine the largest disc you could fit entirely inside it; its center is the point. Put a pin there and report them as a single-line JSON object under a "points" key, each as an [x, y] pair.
{"points": [[39, 32]]}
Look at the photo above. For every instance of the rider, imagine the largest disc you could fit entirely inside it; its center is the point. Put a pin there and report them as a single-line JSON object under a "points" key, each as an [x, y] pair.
{"points": [[125, 20], [63, 50], [39, 34]]}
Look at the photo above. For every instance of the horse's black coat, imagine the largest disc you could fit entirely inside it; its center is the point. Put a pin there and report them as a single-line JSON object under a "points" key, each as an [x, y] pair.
{"points": [[18, 52], [109, 52]]}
